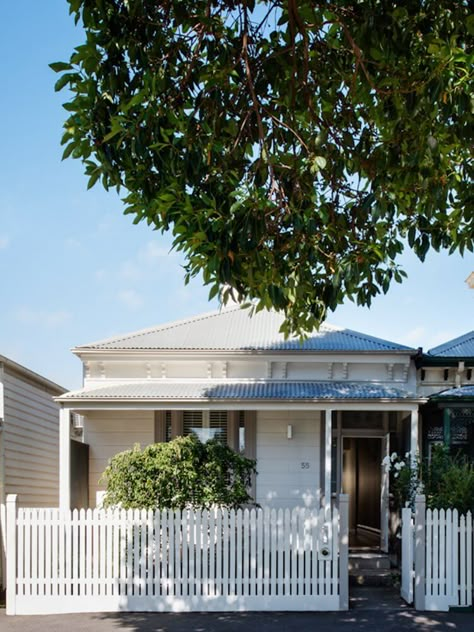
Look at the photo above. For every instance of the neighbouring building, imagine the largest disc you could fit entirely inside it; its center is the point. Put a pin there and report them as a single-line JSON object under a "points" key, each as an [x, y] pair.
{"points": [[445, 379], [29, 440]]}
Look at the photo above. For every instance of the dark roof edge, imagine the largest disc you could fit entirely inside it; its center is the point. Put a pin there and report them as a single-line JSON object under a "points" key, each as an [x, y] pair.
{"points": [[32, 375], [427, 360], [80, 351]]}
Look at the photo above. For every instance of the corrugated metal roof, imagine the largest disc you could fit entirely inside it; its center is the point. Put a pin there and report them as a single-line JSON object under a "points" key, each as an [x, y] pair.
{"points": [[240, 391], [454, 393], [234, 329], [462, 347]]}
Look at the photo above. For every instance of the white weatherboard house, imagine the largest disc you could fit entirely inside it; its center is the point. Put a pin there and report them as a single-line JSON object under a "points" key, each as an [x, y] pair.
{"points": [[29, 440], [318, 416]]}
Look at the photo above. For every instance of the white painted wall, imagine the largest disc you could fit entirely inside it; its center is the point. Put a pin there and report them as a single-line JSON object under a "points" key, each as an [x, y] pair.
{"points": [[386, 368], [288, 469], [110, 432]]}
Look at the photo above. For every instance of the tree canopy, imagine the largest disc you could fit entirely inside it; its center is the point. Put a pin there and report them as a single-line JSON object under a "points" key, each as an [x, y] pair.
{"points": [[292, 147]]}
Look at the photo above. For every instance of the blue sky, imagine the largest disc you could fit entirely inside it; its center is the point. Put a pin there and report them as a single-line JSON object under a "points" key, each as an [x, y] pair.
{"points": [[74, 269]]}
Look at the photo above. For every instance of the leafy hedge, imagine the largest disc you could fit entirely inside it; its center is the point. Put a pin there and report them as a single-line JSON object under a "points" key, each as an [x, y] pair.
{"points": [[183, 472]]}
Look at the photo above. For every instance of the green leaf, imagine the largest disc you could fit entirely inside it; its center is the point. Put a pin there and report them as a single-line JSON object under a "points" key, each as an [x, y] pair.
{"points": [[59, 66], [68, 150], [93, 179], [62, 81]]}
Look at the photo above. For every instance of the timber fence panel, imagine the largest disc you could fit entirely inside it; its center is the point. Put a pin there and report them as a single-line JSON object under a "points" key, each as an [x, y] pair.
{"points": [[210, 559], [448, 567]]}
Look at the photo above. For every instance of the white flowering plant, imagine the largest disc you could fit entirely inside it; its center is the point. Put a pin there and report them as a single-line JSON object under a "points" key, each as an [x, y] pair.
{"points": [[405, 481]]}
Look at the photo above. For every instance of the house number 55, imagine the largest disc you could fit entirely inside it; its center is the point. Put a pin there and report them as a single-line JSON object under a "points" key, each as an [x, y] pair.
{"points": [[304, 465]]}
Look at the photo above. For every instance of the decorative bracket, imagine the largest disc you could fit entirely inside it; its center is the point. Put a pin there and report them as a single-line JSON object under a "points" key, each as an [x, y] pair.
{"points": [[405, 371]]}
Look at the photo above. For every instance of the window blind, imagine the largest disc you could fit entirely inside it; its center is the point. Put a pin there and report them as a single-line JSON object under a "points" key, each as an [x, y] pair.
{"points": [[206, 425]]}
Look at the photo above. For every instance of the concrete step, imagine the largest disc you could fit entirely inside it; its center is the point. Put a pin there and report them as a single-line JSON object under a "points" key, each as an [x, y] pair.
{"points": [[368, 561], [374, 577]]}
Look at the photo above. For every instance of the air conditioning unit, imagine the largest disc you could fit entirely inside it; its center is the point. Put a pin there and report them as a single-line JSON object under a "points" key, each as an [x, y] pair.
{"points": [[77, 421]]}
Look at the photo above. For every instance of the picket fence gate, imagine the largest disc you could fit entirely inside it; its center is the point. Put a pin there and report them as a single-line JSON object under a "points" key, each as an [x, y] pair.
{"points": [[194, 560], [437, 562]]}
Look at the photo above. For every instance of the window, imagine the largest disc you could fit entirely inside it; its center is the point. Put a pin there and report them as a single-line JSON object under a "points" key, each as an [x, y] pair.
{"points": [[206, 424], [168, 425], [242, 432]]}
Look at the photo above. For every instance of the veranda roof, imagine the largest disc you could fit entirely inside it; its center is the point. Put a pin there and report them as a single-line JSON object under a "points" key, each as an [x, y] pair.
{"points": [[239, 391], [463, 393]]}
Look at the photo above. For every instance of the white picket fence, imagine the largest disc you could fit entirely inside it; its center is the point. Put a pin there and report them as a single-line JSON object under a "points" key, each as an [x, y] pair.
{"points": [[218, 560], [437, 552]]}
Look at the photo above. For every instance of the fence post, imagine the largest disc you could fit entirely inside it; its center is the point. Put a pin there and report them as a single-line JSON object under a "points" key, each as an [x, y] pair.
{"points": [[11, 553], [420, 551], [407, 555], [344, 552]]}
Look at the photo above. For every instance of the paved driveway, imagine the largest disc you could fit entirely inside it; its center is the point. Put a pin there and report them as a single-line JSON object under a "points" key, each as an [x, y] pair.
{"points": [[371, 609]]}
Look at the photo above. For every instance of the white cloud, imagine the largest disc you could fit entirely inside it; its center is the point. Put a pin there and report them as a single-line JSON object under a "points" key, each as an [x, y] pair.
{"points": [[131, 271], [440, 337], [147, 262], [412, 337], [153, 251], [106, 224], [42, 317], [131, 299], [4, 241], [71, 242]]}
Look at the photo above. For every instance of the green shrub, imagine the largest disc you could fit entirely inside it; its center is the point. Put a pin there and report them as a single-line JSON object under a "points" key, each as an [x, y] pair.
{"points": [[449, 481], [446, 480], [404, 478], [181, 473]]}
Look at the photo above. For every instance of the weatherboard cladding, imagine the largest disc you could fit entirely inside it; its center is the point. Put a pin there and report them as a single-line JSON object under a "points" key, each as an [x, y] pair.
{"points": [[241, 391], [462, 347], [234, 329]]}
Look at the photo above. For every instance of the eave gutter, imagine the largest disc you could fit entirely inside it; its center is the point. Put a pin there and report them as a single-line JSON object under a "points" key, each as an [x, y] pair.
{"points": [[237, 352], [196, 400]]}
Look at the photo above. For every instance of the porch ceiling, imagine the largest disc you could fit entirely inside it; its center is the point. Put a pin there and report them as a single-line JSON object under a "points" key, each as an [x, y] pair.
{"points": [[240, 391]]}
